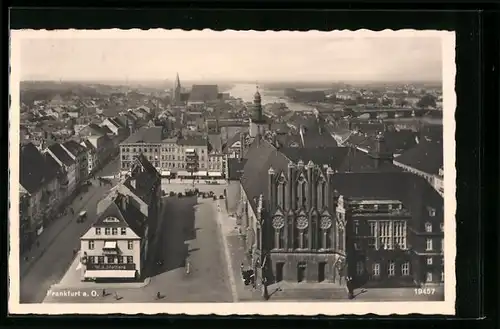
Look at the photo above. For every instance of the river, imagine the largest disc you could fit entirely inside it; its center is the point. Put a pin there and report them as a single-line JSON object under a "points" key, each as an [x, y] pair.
{"points": [[247, 91]]}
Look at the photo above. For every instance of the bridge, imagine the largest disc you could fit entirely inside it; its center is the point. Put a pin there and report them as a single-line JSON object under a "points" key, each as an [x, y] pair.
{"points": [[389, 112]]}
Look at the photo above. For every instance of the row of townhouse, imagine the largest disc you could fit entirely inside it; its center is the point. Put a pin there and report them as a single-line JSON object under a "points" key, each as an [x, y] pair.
{"points": [[49, 178]]}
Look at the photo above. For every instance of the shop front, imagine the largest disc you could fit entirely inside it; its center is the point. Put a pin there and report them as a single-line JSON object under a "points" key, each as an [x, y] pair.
{"points": [[110, 271]]}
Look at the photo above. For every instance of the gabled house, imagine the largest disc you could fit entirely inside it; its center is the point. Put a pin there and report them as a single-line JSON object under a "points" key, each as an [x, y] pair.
{"points": [[92, 156], [68, 166], [79, 154], [116, 245]]}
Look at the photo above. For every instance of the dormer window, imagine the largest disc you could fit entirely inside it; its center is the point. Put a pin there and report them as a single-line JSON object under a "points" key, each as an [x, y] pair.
{"points": [[432, 212], [428, 227]]}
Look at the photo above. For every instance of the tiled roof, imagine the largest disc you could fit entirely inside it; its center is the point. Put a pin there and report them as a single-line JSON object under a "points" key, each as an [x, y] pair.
{"points": [[215, 141], [129, 215], [202, 93], [74, 147], [61, 154], [192, 141], [414, 191], [145, 179], [235, 138], [89, 145], [31, 164], [260, 157], [396, 142], [146, 135], [106, 130], [425, 156]]}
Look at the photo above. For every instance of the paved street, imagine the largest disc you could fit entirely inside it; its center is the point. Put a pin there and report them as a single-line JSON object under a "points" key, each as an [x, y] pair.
{"points": [[187, 229], [48, 262]]}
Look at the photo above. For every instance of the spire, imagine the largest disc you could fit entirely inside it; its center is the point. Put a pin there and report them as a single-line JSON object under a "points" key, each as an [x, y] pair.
{"points": [[177, 81]]}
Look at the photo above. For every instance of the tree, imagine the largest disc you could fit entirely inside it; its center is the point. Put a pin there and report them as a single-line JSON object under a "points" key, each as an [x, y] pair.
{"points": [[427, 101]]}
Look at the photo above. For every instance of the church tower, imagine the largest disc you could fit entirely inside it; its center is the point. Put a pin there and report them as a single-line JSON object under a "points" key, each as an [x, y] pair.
{"points": [[177, 91], [257, 120], [257, 107]]}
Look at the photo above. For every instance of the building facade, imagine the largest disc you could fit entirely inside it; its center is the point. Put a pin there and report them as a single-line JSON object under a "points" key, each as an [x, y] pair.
{"points": [[114, 248]]}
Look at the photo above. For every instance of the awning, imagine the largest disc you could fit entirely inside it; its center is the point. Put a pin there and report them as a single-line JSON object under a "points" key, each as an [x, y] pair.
{"points": [[214, 174], [200, 173], [165, 173], [110, 245], [183, 173], [109, 274]]}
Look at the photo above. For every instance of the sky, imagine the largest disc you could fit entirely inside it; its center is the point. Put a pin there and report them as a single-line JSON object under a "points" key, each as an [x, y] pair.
{"points": [[250, 56]]}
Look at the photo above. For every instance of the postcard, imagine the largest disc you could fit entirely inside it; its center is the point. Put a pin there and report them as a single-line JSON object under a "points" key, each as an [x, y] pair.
{"points": [[232, 173]]}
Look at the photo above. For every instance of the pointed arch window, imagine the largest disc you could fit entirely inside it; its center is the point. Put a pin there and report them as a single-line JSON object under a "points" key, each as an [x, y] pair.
{"points": [[301, 192], [281, 192], [321, 194]]}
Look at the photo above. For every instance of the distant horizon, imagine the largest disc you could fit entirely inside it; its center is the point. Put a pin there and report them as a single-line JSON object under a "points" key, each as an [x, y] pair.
{"points": [[258, 82], [256, 57]]}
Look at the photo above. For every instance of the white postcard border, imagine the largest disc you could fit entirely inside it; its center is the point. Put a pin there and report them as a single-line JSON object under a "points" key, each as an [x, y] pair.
{"points": [[446, 307]]}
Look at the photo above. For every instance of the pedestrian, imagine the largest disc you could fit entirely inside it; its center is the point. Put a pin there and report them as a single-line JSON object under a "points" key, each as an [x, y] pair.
{"points": [[158, 295], [104, 293], [116, 296], [349, 283]]}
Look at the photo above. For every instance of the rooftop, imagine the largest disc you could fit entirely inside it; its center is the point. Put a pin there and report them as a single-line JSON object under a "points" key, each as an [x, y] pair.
{"points": [[146, 135]]}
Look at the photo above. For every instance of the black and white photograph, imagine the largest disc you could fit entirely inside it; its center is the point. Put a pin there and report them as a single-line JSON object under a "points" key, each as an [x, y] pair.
{"points": [[232, 172]]}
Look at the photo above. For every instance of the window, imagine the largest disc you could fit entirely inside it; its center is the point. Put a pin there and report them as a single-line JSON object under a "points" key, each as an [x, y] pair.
{"points": [[120, 259], [429, 277], [442, 244], [442, 261], [91, 259], [376, 269], [91, 245], [400, 234], [130, 245], [428, 227], [442, 276], [441, 226], [107, 231], [405, 268], [359, 268], [281, 195], [391, 268], [356, 227], [123, 231], [114, 231], [373, 234], [432, 212], [385, 235], [111, 259], [428, 244], [130, 259], [100, 259], [429, 260], [97, 231]]}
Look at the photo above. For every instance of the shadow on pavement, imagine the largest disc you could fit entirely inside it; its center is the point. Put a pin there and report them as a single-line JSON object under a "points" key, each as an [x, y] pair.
{"points": [[174, 231]]}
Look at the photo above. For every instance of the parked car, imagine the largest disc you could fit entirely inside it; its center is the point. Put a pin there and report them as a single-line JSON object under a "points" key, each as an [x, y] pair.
{"points": [[172, 193], [221, 197], [179, 195]]}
